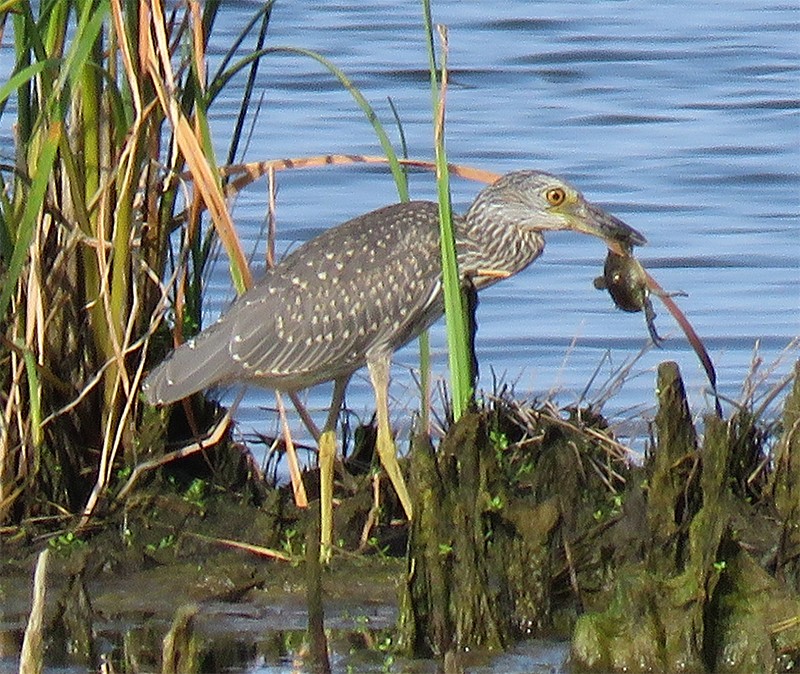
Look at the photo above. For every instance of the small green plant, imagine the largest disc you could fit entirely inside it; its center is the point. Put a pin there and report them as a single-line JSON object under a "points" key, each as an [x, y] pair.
{"points": [[374, 543], [612, 509], [523, 470], [289, 543], [165, 543], [496, 503], [126, 534], [196, 493], [66, 542], [498, 439], [512, 457], [386, 646]]}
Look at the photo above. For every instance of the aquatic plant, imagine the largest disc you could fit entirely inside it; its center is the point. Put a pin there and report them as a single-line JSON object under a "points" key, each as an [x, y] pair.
{"points": [[110, 103]]}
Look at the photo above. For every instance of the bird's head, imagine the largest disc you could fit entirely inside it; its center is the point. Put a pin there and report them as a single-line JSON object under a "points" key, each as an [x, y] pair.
{"points": [[540, 202]]}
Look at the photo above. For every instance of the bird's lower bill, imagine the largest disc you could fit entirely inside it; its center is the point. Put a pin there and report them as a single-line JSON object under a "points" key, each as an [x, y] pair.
{"points": [[593, 220]]}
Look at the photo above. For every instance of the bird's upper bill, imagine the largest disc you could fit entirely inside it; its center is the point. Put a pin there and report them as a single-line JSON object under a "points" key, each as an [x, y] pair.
{"points": [[583, 216]]}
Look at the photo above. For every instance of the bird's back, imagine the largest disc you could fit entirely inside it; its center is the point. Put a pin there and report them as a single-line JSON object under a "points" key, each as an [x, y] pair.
{"points": [[368, 285]]}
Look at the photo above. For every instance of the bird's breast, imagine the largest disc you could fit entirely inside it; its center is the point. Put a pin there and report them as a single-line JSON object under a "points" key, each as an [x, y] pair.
{"points": [[496, 255]]}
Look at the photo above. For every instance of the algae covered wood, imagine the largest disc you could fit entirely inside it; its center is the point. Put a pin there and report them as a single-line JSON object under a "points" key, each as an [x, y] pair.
{"points": [[479, 571], [673, 463], [181, 650], [696, 599], [448, 601], [786, 487], [654, 620]]}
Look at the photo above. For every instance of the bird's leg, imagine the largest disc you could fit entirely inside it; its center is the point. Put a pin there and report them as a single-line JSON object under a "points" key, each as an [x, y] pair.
{"points": [[387, 451], [308, 422], [327, 456]]}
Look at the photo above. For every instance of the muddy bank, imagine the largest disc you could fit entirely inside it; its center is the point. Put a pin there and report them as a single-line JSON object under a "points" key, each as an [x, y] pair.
{"points": [[119, 591], [532, 522]]}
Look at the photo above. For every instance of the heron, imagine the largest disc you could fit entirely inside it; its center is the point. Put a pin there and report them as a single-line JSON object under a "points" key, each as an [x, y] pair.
{"points": [[361, 290]]}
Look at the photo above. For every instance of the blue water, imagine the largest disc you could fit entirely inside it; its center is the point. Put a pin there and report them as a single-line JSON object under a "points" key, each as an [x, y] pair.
{"points": [[680, 118]]}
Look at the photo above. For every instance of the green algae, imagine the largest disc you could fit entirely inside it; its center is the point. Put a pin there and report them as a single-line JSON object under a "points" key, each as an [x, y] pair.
{"points": [[696, 600]]}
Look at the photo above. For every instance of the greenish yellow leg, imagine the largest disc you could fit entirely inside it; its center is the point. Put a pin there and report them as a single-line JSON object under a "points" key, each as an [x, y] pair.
{"points": [[387, 450], [327, 455], [327, 458]]}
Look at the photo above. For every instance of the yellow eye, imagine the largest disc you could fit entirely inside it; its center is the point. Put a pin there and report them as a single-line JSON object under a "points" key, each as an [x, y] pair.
{"points": [[555, 196]]}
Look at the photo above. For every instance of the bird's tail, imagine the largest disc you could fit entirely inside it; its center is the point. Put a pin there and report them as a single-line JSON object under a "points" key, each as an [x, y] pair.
{"points": [[198, 364]]}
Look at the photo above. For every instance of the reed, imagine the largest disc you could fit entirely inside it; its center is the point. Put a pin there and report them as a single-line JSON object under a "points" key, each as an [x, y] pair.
{"points": [[111, 97], [458, 345]]}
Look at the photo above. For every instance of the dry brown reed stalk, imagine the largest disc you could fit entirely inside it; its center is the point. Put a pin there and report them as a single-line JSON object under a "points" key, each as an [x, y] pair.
{"points": [[295, 472], [157, 59], [31, 659], [258, 550], [249, 172], [528, 419]]}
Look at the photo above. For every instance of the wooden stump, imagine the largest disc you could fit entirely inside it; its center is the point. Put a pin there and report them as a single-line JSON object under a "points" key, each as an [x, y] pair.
{"points": [[695, 599]]}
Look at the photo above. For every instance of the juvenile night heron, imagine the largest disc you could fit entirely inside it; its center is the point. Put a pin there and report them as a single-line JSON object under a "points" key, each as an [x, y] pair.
{"points": [[358, 292]]}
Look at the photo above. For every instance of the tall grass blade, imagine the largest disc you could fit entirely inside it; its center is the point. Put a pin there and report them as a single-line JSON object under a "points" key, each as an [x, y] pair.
{"points": [[34, 203], [398, 173], [424, 338], [264, 14], [206, 179], [458, 344], [23, 77]]}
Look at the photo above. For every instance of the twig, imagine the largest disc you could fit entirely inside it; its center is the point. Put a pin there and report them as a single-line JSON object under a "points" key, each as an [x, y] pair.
{"points": [[259, 550], [30, 659], [188, 450], [298, 488]]}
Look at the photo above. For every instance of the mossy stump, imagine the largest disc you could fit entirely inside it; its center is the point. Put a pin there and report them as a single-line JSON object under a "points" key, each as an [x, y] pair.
{"points": [[483, 548], [686, 563], [786, 488], [447, 567], [695, 599]]}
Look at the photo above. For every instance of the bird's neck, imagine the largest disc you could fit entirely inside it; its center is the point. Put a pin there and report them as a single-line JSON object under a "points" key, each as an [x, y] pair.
{"points": [[491, 252]]}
